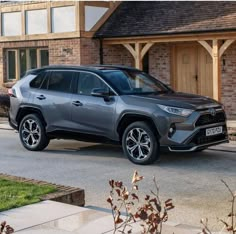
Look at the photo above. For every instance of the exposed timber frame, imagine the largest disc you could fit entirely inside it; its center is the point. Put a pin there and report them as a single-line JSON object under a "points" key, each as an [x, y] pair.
{"points": [[216, 51], [138, 51], [139, 46]]}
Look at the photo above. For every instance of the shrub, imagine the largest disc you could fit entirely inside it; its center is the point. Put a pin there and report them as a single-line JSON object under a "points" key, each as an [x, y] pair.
{"points": [[4, 104], [148, 212], [6, 229], [230, 223]]}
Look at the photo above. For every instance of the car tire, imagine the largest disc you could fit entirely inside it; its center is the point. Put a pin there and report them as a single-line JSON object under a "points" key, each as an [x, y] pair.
{"points": [[140, 144], [32, 133]]}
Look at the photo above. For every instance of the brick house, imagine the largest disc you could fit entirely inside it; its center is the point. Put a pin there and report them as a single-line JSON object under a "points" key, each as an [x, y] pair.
{"points": [[188, 45]]}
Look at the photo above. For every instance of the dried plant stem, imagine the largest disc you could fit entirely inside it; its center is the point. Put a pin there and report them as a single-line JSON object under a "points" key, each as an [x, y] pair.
{"points": [[232, 206]]}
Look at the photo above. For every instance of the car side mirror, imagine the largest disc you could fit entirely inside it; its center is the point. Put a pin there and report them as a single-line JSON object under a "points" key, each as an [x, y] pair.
{"points": [[100, 93]]}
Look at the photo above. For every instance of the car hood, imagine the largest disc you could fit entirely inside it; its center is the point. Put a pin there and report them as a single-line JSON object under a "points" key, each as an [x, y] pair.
{"points": [[182, 100]]}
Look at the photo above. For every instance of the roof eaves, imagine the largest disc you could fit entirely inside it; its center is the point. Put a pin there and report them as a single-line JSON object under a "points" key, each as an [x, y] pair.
{"points": [[167, 33]]}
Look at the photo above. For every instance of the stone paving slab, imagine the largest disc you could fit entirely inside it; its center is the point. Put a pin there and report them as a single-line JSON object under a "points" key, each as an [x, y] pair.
{"points": [[35, 214], [51, 217], [95, 222]]}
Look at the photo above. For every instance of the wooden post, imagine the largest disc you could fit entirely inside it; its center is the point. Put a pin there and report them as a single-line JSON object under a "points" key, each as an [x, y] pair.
{"points": [[138, 52], [138, 58], [216, 69]]}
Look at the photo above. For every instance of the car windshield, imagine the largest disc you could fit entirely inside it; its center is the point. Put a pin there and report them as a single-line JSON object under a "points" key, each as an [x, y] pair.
{"points": [[134, 82]]}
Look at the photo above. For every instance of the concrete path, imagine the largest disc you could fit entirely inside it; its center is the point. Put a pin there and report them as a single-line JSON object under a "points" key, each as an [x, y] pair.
{"points": [[56, 218]]}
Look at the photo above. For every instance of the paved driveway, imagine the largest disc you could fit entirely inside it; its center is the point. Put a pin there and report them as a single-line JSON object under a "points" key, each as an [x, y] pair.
{"points": [[192, 180]]}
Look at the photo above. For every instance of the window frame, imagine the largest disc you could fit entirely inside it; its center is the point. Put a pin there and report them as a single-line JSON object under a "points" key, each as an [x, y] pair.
{"points": [[44, 73], [49, 75], [16, 65], [28, 62], [77, 79], [39, 64]]}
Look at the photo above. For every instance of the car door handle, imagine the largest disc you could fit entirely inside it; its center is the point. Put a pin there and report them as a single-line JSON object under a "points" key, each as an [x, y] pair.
{"points": [[77, 103], [41, 97]]}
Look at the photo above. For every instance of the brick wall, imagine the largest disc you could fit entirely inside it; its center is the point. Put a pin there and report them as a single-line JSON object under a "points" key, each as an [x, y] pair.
{"points": [[228, 76], [159, 62], [117, 55], [89, 51], [65, 51]]}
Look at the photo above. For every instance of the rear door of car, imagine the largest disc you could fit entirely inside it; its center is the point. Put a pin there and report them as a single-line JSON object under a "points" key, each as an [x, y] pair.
{"points": [[53, 98]]}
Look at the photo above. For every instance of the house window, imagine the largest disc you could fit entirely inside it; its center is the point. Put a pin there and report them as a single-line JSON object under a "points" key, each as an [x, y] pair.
{"points": [[63, 19], [32, 58], [21, 60], [11, 24], [23, 65], [44, 58], [11, 64], [36, 21]]}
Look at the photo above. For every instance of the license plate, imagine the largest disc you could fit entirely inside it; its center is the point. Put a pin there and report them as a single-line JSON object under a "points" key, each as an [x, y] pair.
{"points": [[214, 131]]}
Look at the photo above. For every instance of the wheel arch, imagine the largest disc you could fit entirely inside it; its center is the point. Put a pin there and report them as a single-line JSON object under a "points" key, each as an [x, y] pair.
{"points": [[26, 110], [129, 118]]}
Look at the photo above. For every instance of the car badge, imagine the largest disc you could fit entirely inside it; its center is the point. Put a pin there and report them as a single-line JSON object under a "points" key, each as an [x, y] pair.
{"points": [[212, 111]]}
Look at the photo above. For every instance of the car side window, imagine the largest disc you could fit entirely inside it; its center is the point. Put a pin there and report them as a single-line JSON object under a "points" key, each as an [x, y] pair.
{"points": [[87, 82], [36, 82], [60, 81]]}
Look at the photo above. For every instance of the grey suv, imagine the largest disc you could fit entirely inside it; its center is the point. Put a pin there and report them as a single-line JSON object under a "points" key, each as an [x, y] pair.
{"points": [[113, 104]]}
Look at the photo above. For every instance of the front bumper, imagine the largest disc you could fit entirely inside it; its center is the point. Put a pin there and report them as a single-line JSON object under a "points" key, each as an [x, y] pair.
{"points": [[190, 133]]}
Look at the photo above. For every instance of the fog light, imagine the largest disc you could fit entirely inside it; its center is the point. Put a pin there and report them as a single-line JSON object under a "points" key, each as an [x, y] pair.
{"points": [[172, 130]]}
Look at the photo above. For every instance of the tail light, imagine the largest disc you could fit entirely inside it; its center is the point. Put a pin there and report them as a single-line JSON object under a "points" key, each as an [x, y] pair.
{"points": [[12, 92]]}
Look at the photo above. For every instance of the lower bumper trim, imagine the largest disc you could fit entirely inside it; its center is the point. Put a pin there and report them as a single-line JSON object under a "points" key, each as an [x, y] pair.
{"points": [[196, 147]]}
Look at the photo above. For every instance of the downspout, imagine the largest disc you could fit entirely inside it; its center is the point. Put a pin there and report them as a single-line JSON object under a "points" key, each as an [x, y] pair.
{"points": [[101, 51]]}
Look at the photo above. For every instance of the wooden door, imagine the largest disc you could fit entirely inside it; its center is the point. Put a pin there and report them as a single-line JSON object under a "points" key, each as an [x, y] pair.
{"points": [[193, 70], [186, 69], [205, 73]]}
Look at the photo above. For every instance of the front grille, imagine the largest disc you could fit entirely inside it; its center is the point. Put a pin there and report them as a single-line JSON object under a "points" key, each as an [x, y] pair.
{"points": [[200, 138], [210, 119]]}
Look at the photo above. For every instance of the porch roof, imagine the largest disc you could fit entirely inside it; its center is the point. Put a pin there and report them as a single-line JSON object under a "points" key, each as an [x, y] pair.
{"points": [[167, 17]]}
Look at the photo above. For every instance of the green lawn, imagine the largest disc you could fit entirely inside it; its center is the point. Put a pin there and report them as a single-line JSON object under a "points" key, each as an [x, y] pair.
{"points": [[15, 194]]}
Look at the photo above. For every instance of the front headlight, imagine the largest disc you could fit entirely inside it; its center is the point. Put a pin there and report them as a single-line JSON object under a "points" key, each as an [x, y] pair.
{"points": [[176, 111]]}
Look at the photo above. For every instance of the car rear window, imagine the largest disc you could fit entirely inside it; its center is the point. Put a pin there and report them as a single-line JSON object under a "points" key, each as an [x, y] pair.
{"points": [[36, 83]]}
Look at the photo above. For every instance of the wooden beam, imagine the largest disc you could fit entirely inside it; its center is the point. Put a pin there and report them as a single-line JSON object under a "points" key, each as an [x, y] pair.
{"points": [[77, 16], [104, 18], [136, 53], [49, 18], [225, 46], [146, 48], [171, 38], [216, 69], [130, 49], [206, 46], [23, 22], [138, 58], [82, 15], [97, 3]]}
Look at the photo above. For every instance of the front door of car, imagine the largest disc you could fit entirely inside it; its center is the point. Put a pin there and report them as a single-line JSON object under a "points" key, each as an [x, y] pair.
{"points": [[90, 114], [53, 98]]}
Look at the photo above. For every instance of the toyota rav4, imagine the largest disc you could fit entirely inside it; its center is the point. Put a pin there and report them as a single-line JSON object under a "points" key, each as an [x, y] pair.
{"points": [[113, 104]]}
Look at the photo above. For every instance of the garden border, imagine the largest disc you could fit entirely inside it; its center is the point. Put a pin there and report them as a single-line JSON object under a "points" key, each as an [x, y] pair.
{"points": [[64, 194]]}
